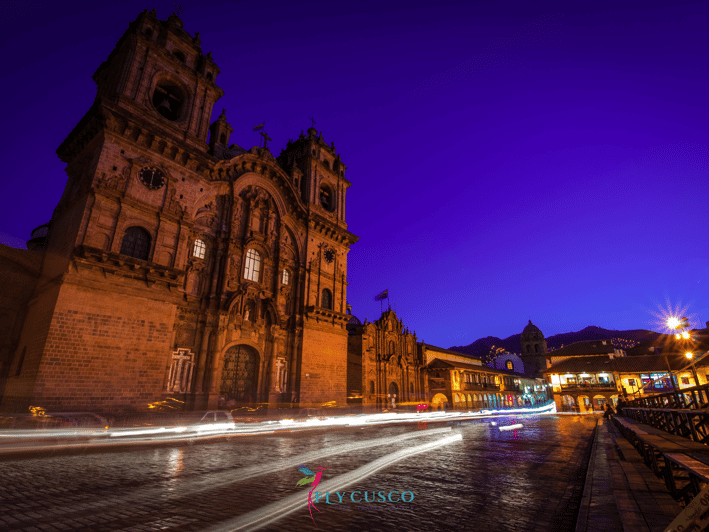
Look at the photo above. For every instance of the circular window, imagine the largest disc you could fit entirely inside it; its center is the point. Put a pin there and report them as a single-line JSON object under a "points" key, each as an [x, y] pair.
{"points": [[168, 101]]}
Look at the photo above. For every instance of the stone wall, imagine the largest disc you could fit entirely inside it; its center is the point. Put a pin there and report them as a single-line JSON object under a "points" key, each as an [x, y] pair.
{"points": [[323, 373], [104, 350]]}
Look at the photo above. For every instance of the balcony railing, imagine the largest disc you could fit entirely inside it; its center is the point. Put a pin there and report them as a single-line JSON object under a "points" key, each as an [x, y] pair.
{"points": [[481, 386], [589, 386]]}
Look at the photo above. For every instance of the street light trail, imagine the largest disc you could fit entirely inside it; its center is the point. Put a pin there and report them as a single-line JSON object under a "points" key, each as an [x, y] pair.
{"points": [[278, 510], [19, 441]]}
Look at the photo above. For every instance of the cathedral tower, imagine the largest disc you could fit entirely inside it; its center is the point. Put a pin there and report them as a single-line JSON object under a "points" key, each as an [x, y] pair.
{"points": [[319, 176], [177, 266], [534, 347]]}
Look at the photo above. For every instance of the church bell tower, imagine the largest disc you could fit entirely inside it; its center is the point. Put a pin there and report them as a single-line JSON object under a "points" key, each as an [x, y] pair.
{"points": [[319, 175]]}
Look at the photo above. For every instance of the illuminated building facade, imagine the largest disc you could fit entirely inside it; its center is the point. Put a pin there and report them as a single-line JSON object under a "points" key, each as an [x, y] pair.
{"points": [[584, 382], [461, 382], [175, 264], [388, 368], [385, 366]]}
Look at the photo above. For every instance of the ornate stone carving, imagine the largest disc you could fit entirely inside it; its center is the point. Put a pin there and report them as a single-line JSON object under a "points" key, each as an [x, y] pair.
{"points": [[234, 272], [112, 182], [172, 205]]}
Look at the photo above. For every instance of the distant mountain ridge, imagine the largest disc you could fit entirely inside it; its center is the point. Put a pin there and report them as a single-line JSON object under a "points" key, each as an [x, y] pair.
{"points": [[485, 348]]}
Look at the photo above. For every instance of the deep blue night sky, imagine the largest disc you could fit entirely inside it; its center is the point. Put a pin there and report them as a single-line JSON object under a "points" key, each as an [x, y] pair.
{"points": [[509, 160]]}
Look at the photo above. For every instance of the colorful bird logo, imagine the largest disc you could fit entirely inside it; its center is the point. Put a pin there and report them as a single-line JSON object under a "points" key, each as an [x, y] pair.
{"points": [[314, 479]]}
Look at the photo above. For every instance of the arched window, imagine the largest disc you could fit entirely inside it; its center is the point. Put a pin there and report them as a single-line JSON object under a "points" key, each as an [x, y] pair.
{"points": [[253, 265], [392, 347], [536, 348], [326, 301], [222, 139], [371, 386], [136, 243], [509, 365], [199, 249], [285, 279], [529, 349]]}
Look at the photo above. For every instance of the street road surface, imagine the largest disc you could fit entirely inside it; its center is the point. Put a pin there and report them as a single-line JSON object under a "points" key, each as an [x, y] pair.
{"points": [[472, 476]]}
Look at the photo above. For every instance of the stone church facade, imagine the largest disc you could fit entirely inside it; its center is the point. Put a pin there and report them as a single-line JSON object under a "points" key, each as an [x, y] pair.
{"points": [[385, 365], [177, 265]]}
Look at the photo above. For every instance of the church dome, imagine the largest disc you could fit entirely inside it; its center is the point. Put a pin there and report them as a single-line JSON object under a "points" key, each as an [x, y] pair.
{"points": [[352, 325]]}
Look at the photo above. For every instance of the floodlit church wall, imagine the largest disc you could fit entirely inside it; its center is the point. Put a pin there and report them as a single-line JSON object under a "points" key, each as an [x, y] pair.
{"points": [[323, 371], [104, 348]]}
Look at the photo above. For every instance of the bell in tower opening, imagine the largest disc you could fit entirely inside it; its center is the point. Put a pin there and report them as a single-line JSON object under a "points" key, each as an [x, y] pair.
{"points": [[168, 100]]}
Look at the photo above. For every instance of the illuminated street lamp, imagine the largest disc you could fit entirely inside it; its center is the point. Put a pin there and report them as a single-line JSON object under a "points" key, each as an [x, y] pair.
{"points": [[690, 356], [672, 323], [681, 325]]}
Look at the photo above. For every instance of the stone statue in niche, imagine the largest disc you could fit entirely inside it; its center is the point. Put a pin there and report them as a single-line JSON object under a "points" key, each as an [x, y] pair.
{"points": [[280, 376], [247, 312]]}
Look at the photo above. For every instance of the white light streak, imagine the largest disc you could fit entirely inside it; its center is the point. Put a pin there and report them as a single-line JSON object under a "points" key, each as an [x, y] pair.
{"points": [[275, 512]]}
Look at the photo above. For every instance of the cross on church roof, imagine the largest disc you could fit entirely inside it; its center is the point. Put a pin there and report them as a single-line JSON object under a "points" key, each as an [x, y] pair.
{"points": [[266, 138]]}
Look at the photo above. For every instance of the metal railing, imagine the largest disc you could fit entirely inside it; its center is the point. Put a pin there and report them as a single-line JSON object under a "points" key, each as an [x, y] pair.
{"points": [[696, 397], [683, 412]]}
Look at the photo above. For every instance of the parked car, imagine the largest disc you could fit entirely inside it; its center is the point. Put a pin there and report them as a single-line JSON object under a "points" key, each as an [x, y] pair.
{"points": [[210, 417]]}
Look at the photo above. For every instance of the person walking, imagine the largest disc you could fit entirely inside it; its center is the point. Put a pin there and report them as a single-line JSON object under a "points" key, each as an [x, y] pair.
{"points": [[607, 411], [619, 406]]}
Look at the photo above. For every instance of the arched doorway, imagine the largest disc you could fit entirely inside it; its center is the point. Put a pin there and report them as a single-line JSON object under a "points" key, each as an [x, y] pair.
{"points": [[239, 375], [439, 401], [598, 403], [393, 396]]}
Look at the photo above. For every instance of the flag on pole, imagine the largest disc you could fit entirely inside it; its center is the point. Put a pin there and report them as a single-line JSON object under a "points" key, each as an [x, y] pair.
{"points": [[259, 128], [383, 295]]}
